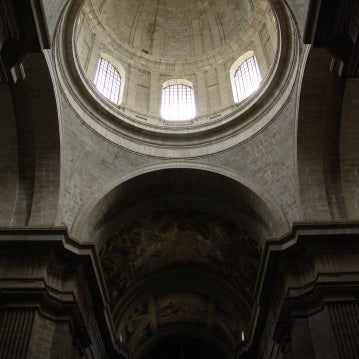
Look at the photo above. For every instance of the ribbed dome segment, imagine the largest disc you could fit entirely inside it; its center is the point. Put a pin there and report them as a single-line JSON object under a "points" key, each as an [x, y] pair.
{"points": [[176, 29], [155, 41]]}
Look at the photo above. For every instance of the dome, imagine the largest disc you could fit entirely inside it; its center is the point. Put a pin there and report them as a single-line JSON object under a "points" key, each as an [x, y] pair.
{"points": [[199, 43], [181, 31], [151, 42], [185, 78]]}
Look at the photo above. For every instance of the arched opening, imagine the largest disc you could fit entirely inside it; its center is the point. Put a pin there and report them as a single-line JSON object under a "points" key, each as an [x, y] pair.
{"points": [[180, 248], [30, 147], [108, 81], [319, 130], [245, 76], [178, 101]]}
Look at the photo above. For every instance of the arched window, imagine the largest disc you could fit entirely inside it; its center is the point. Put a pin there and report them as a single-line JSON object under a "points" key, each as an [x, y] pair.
{"points": [[245, 76], [178, 102], [108, 80]]}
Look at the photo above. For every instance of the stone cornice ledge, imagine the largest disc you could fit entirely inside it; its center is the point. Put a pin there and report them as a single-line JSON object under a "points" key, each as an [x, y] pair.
{"points": [[318, 252], [302, 232], [58, 239]]}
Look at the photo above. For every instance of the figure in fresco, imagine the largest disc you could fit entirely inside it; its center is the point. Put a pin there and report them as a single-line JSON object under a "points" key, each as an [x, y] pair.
{"points": [[143, 332], [138, 318], [181, 307], [164, 239], [144, 258]]}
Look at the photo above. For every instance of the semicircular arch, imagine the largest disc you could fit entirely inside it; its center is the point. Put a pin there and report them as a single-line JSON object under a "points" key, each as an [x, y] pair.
{"points": [[269, 210]]}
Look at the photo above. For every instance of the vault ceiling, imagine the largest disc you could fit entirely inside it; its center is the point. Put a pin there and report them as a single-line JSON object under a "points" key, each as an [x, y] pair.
{"points": [[177, 29], [179, 247]]}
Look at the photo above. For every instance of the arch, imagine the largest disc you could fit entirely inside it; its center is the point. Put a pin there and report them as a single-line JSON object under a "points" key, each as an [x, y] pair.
{"points": [[318, 139], [191, 208], [31, 143], [275, 221], [155, 347]]}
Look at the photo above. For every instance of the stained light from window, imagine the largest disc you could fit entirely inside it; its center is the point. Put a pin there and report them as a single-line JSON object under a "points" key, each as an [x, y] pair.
{"points": [[108, 81], [246, 79], [178, 103]]}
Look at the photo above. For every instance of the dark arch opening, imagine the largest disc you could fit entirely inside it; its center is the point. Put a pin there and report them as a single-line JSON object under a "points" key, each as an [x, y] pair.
{"points": [[183, 347]]}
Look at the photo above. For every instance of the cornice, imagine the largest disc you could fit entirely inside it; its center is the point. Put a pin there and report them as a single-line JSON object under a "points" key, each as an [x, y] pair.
{"points": [[83, 258], [302, 271]]}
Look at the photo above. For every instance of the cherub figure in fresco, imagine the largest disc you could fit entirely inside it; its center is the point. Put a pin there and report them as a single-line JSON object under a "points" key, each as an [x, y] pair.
{"points": [[137, 320], [184, 246], [139, 314], [159, 245], [113, 261], [179, 311], [182, 307], [170, 311], [181, 240], [149, 251], [144, 260], [205, 241]]}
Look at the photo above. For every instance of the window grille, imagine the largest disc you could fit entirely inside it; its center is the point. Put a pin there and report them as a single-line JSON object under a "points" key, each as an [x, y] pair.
{"points": [[108, 81], [178, 103], [246, 79]]}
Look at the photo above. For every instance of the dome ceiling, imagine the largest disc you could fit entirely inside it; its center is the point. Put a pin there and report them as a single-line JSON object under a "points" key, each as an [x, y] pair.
{"points": [[197, 43], [175, 29]]}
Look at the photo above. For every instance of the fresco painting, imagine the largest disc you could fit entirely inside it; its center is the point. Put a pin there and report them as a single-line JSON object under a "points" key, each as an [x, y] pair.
{"points": [[226, 320], [165, 239], [137, 319], [143, 332], [181, 307], [219, 333]]}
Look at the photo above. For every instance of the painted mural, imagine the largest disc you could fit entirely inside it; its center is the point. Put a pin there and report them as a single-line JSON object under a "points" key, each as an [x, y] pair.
{"points": [[170, 238], [138, 319], [181, 307], [204, 311], [143, 332], [228, 324]]}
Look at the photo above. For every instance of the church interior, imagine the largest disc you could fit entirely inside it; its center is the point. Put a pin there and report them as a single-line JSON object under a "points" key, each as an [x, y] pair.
{"points": [[179, 179]]}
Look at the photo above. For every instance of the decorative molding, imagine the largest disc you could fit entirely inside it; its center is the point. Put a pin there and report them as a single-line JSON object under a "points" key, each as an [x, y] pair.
{"points": [[310, 268], [59, 277], [15, 329]]}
